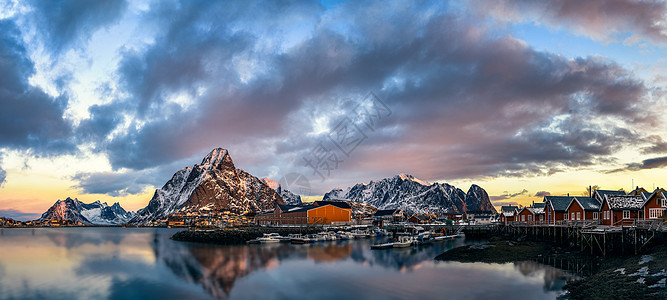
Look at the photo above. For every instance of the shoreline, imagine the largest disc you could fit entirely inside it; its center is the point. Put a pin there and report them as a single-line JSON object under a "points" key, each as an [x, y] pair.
{"points": [[235, 236], [617, 277]]}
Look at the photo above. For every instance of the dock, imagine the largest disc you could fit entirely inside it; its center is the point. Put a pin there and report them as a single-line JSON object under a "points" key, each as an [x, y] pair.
{"points": [[588, 235]]}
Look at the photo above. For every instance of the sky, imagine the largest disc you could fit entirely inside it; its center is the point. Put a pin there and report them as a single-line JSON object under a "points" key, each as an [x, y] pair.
{"points": [[106, 100]]}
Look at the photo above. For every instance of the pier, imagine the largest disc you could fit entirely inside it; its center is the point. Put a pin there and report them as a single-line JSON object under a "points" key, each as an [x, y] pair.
{"points": [[629, 238]]}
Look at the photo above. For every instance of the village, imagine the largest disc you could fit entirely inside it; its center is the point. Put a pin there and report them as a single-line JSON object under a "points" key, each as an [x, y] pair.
{"points": [[601, 207]]}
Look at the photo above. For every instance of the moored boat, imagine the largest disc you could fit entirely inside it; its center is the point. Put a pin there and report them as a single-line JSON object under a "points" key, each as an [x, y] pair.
{"points": [[403, 242], [382, 246], [269, 238]]}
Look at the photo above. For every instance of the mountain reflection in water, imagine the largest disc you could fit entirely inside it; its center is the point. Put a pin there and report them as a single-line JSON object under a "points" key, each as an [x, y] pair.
{"points": [[217, 268], [117, 263]]}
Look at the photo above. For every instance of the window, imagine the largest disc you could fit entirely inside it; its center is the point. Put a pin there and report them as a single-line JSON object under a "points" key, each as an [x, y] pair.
{"points": [[541, 218], [565, 216], [626, 214], [529, 217], [654, 213], [595, 215], [523, 217], [578, 215], [573, 217], [663, 203]]}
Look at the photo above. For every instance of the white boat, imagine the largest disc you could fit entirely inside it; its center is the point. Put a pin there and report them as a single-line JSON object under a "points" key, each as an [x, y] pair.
{"points": [[359, 234], [299, 239], [382, 246], [269, 238], [316, 238], [403, 241], [344, 236]]}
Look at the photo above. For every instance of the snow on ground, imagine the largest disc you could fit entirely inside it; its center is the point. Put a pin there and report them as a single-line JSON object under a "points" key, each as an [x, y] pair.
{"points": [[645, 258], [659, 284]]}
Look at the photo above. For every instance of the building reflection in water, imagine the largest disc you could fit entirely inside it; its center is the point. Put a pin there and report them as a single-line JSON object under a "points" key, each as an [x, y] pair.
{"points": [[216, 268]]}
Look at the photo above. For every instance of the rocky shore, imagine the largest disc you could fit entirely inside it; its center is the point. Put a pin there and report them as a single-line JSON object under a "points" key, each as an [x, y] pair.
{"points": [[235, 236], [629, 277]]}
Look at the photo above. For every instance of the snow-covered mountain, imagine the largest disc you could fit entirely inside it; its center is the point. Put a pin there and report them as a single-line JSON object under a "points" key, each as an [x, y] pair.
{"points": [[96, 213], [215, 184], [288, 197], [413, 195]]}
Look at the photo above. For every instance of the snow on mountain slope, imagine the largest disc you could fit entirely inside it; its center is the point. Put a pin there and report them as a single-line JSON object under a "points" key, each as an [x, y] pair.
{"points": [[413, 195], [215, 184], [96, 213], [288, 197]]}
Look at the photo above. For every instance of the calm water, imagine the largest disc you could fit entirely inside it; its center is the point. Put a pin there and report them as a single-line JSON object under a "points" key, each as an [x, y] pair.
{"points": [[117, 263]]}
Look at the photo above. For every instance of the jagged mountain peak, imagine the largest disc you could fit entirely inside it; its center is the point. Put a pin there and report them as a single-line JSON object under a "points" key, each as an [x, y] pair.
{"points": [[217, 158], [404, 176], [216, 184], [410, 194], [97, 213]]}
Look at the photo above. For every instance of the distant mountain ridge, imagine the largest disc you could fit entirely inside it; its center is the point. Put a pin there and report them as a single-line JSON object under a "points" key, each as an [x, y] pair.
{"points": [[215, 184], [410, 194], [95, 213]]}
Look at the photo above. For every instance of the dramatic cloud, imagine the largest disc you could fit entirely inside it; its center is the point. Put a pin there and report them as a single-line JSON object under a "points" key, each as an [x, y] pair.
{"points": [[66, 23], [128, 183], [541, 194], [658, 146], [651, 163], [451, 72], [29, 118], [467, 100], [508, 195], [630, 20]]}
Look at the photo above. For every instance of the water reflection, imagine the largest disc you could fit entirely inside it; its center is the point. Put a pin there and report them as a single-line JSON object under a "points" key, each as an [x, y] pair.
{"points": [[115, 263], [554, 279]]}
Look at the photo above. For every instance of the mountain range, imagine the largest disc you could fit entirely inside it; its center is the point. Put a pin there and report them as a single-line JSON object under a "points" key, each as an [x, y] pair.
{"points": [[215, 184], [96, 213], [410, 194]]}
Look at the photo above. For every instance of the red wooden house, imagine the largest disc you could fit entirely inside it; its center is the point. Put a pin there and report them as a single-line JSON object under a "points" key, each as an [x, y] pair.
{"points": [[620, 209], [555, 208], [655, 205], [583, 208], [507, 213], [531, 215]]}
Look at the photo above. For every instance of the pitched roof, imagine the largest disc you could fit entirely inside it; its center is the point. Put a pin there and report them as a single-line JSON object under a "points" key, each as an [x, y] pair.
{"points": [[588, 203], [602, 193], [338, 204], [620, 202], [535, 210], [539, 205], [646, 195], [559, 203], [637, 191], [385, 212], [508, 208], [285, 207]]}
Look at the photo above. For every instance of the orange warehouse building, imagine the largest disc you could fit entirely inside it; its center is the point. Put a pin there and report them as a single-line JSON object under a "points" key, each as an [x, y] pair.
{"points": [[320, 212]]}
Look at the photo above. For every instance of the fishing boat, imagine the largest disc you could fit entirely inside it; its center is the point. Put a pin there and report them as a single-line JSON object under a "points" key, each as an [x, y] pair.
{"points": [[423, 238], [403, 242], [359, 234], [299, 239], [269, 238], [382, 246]]}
